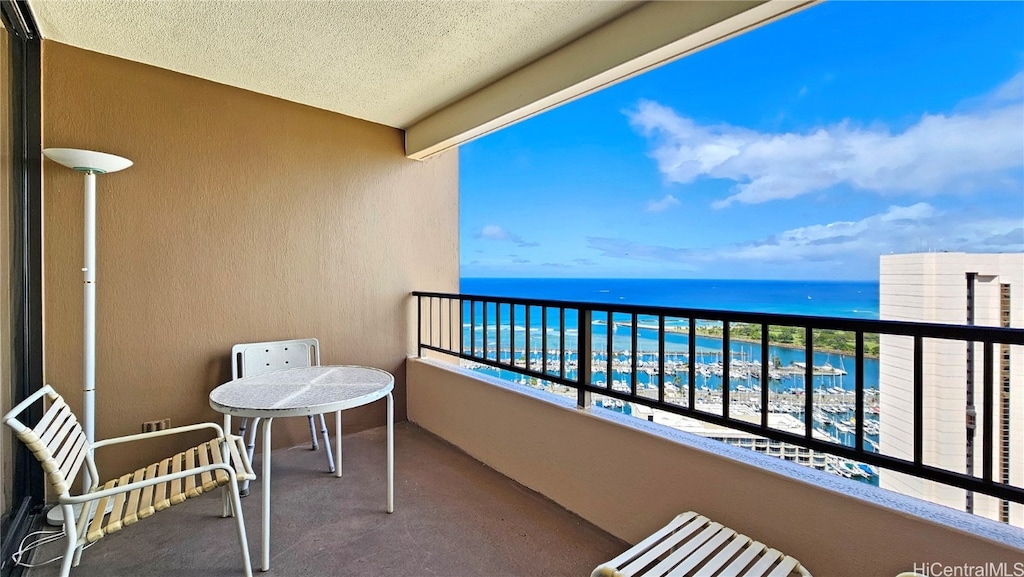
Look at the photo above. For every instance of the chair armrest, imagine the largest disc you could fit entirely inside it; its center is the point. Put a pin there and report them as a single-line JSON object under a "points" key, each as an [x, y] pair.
{"points": [[154, 434], [238, 454]]}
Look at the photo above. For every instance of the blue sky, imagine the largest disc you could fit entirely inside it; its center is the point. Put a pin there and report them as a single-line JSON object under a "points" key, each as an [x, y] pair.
{"points": [[801, 150]]}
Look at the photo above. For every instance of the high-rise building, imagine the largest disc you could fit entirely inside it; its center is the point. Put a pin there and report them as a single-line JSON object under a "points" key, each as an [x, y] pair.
{"points": [[963, 289]]}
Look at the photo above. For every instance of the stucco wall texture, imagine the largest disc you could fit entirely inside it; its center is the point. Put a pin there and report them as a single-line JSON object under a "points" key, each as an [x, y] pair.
{"points": [[244, 218]]}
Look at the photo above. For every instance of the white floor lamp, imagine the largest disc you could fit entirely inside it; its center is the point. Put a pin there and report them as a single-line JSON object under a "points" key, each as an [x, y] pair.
{"points": [[89, 163]]}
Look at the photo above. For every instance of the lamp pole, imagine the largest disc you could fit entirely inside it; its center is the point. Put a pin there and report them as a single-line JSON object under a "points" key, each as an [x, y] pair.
{"points": [[89, 163], [89, 308]]}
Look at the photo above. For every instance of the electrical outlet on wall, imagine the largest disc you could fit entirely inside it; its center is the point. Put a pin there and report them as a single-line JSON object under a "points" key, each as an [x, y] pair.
{"points": [[158, 425]]}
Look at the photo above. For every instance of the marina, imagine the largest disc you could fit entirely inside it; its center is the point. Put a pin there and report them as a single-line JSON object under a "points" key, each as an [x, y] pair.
{"points": [[833, 417], [626, 358]]}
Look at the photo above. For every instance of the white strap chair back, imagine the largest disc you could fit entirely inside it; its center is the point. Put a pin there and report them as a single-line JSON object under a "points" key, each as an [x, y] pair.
{"points": [[249, 359], [57, 440]]}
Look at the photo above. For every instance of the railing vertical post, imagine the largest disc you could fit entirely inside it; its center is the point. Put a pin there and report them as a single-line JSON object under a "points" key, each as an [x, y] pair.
{"points": [[544, 339], [462, 326], [419, 326], [441, 321], [585, 349], [918, 399], [661, 358], [526, 340], [430, 321], [858, 391], [726, 362], [512, 332], [632, 358], [448, 321], [766, 379], [809, 382], [486, 327], [561, 342], [693, 362], [608, 361], [472, 327], [497, 331], [989, 412]]}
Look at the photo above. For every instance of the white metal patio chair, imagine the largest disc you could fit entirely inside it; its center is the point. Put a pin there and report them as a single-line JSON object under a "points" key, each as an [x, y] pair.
{"points": [[60, 445], [692, 544], [250, 359]]}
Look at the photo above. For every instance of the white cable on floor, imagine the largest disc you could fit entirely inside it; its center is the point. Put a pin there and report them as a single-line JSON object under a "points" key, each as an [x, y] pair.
{"points": [[47, 538]]}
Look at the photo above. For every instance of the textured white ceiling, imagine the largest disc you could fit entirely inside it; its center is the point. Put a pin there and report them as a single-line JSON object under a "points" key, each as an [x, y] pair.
{"points": [[389, 62]]}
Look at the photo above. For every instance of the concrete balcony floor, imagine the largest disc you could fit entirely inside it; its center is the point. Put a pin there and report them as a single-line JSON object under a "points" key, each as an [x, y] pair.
{"points": [[453, 516]]}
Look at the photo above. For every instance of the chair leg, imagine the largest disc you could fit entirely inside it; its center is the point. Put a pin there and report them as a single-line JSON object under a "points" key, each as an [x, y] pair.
{"points": [[251, 445], [88, 512], [312, 434], [250, 449], [236, 504], [71, 551], [241, 433], [241, 427], [327, 442]]}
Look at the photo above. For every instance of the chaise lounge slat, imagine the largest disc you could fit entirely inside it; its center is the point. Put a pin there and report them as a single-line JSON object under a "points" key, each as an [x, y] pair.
{"points": [[692, 545]]}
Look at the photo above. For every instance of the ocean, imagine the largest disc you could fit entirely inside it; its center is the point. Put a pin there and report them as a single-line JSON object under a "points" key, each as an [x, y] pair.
{"points": [[819, 298]]}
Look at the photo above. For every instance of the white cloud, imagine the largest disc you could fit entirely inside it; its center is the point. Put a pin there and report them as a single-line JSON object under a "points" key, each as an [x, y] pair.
{"points": [[662, 205], [980, 148], [493, 232], [1010, 92], [497, 233], [914, 228]]}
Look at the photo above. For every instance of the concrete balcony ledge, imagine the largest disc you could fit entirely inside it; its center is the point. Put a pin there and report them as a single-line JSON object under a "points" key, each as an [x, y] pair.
{"points": [[629, 477]]}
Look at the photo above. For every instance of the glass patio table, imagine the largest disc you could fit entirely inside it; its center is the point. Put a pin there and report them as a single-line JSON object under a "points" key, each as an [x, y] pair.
{"points": [[301, 392]]}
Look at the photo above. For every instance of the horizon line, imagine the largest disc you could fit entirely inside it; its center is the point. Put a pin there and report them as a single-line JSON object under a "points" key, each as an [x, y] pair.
{"points": [[663, 278]]}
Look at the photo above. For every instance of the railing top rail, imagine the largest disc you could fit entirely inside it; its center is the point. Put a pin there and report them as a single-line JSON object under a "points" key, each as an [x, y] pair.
{"points": [[1010, 336]]}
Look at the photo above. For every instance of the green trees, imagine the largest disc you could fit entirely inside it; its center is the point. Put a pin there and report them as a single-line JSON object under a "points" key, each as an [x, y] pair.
{"points": [[824, 339]]}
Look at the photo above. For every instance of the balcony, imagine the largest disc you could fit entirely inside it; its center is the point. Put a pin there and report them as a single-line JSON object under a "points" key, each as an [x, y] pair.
{"points": [[232, 227]]}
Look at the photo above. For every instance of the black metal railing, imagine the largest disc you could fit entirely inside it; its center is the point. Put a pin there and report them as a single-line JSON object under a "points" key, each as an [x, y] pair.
{"points": [[577, 340]]}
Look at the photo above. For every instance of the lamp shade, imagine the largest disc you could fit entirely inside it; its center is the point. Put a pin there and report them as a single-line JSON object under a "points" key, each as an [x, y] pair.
{"points": [[87, 160]]}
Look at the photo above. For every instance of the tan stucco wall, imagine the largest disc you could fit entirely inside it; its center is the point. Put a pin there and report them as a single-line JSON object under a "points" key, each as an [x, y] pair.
{"points": [[630, 482], [245, 218]]}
